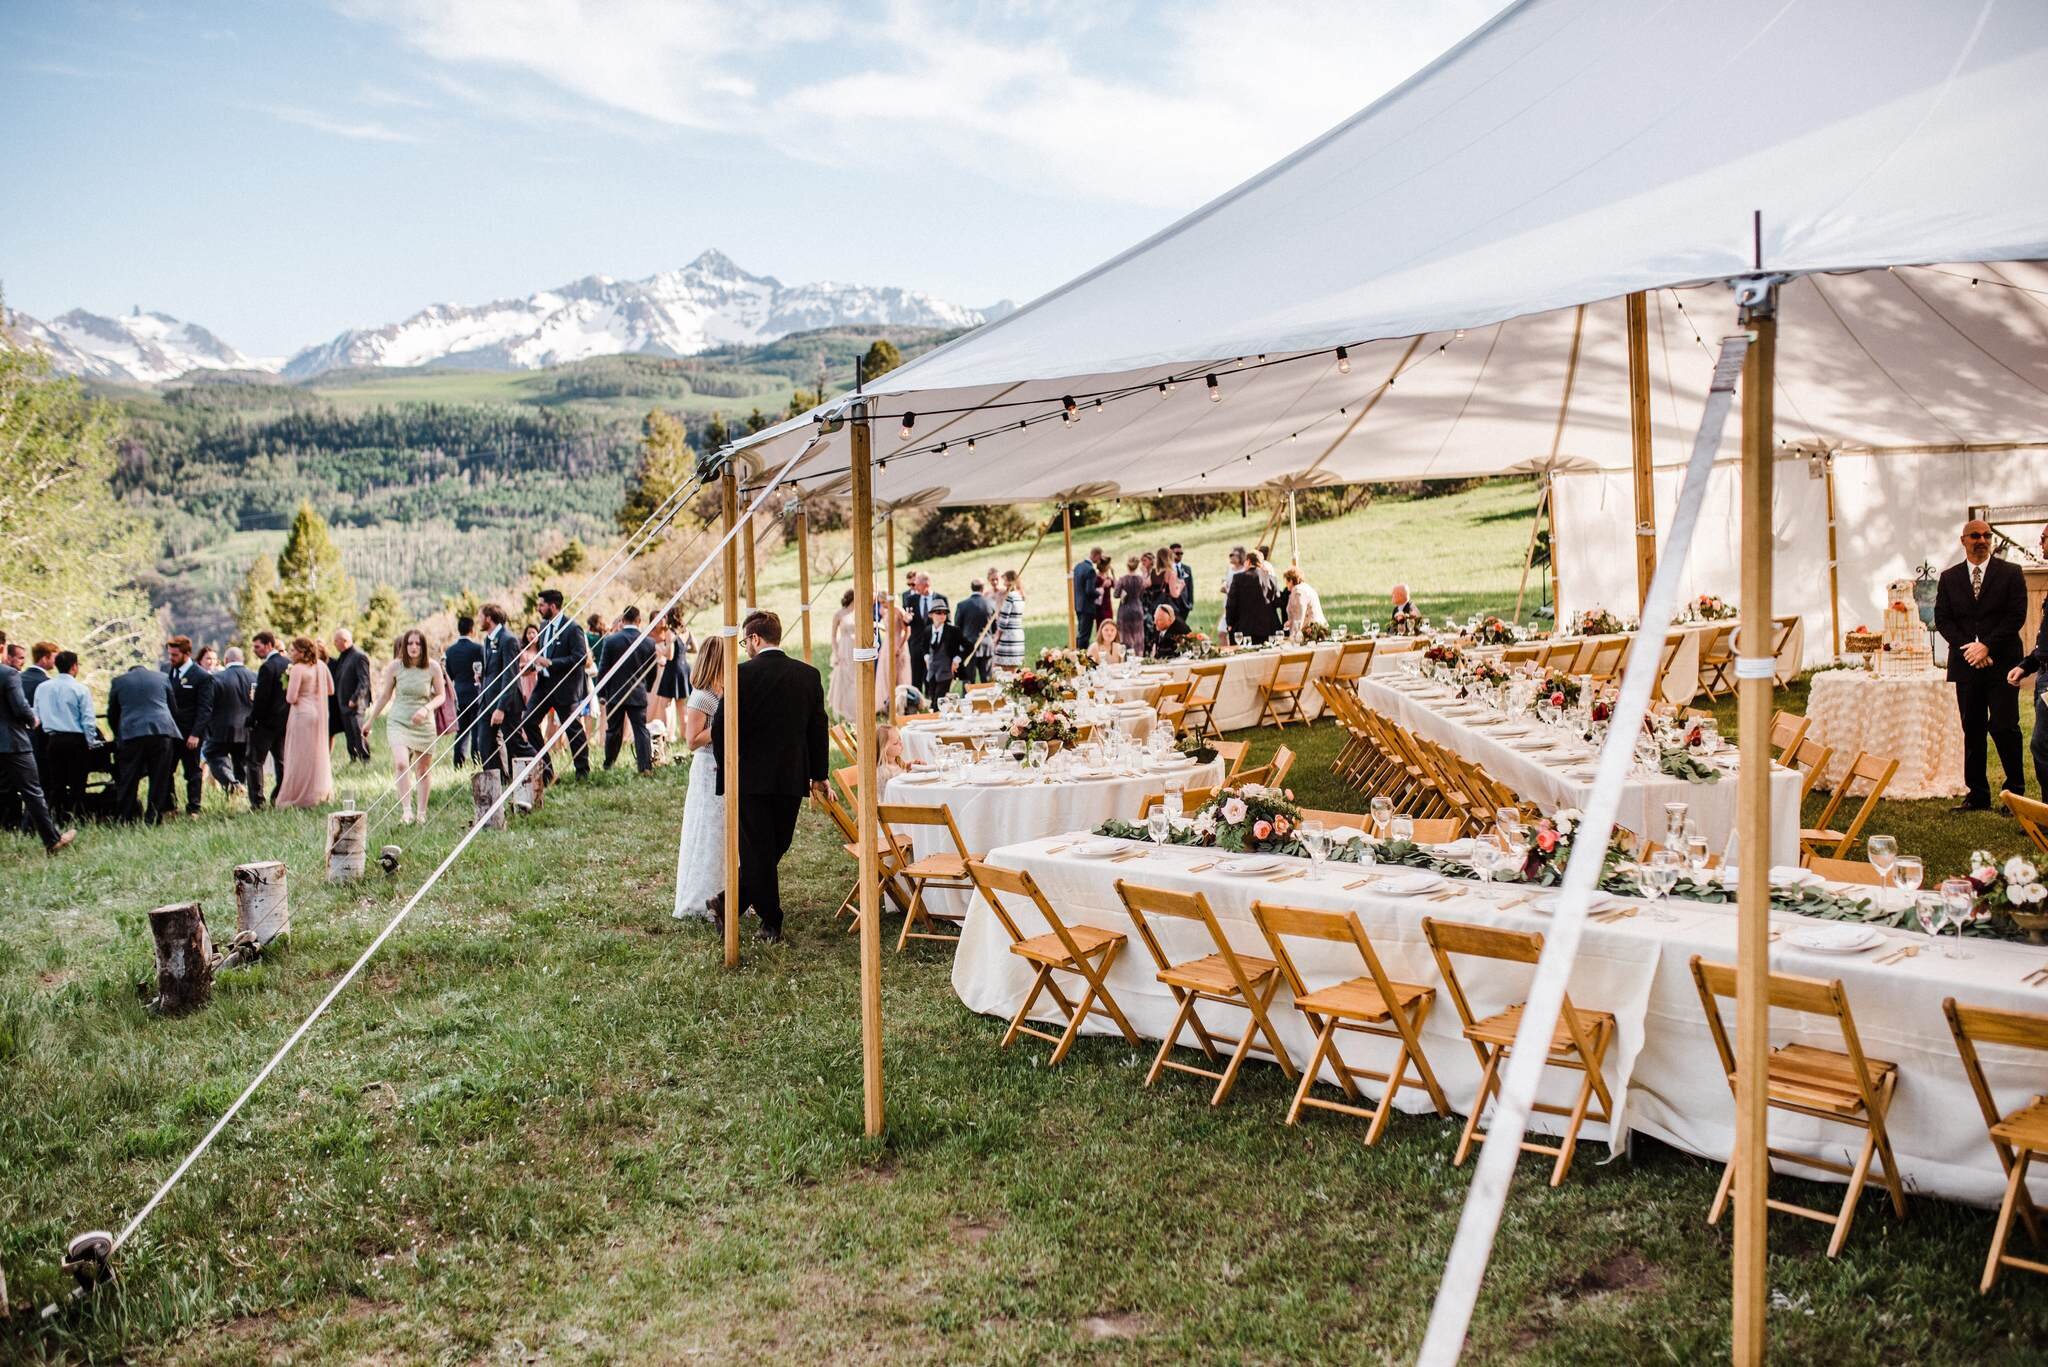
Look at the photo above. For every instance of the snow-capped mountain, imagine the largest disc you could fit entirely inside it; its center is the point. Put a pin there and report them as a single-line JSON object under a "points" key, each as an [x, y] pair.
{"points": [[146, 348], [710, 302]]}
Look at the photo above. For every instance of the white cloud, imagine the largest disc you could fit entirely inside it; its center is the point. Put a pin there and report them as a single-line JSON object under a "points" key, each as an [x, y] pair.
{"points": [[1144, 105], [362, 130]]}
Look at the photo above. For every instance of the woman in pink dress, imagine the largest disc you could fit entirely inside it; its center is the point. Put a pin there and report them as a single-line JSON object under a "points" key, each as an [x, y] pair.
{"points": [[308, 766]]}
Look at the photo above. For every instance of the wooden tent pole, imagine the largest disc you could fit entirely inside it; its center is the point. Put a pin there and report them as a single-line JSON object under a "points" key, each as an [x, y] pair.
{"points": [[729, 494], [1564, 408], [803, 576], [1753, 896], [1067, 541], [890, 604], [1529, 551], [1640, 444], [1834, 565], [864, 728], [753, 594], [1556, 575], [1293, 534]]}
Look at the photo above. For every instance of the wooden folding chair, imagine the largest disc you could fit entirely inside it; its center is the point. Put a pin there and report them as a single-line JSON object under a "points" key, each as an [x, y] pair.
{"points": [[942, 870], [1578, 1042], [1875, 770], [1280, 694], [1842, 1086], [1198, 708], [1560, 655], [1608, 653], [2033, 818], [1192, 799], [2018, 1136], [849, 745], [1370, 1004], [891, 861], [1673, 643], [1717, 660], [1787, 730], [1781, 636], [1232, 753], [1812, 758], [1520, 655], [1845, 871], [1353, 662], [1279, 767], [1083, 950], [1225, 978]]}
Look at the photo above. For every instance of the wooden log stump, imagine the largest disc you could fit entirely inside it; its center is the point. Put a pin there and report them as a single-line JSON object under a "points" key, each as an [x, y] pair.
{"points": [[348, 845], [261, 910], [484, 787], [530, 791], [184, 958]]}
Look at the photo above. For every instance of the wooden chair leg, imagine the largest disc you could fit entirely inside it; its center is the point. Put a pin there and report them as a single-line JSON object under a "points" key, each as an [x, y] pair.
{"points": [[1095, 980], [1857, 1177], [1727, 1185], [2015, 1191], [1262, 1023], [1466, 1139], [1887, 1166], [1237, 1057], [912, 915], [1569, 1144], [1073, 1031], [1038, 982], [1187, 1004], [1308, 1074]]}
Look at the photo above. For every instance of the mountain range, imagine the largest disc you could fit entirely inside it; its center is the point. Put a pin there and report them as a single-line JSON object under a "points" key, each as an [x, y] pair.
{"points": [[709, 303]]}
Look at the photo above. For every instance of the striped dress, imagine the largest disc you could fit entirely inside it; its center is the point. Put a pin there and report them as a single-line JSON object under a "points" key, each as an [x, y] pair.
{"points": [[1010, 631]]}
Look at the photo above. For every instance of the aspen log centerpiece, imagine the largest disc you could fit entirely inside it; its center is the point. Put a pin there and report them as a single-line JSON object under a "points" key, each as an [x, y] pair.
{"points": [[184, 958], [261, 911], [348, 844], [484, 787]]}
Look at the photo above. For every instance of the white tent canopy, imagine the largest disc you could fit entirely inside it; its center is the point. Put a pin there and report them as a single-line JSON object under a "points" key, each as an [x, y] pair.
{"points": [[1568, 152]]}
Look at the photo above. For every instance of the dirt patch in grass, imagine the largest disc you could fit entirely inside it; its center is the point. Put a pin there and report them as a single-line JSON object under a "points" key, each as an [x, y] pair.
{"points": [[1622, 1273], [973, 1233], [1118, 1324]]}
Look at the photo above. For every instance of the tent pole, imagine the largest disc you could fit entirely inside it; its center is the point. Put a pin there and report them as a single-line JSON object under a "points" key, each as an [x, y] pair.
{"points": [[1752, 958], [1067, 540], [1293, 534], [1640, 445], [1556, 574], [1834, 565], [753, 580], [1529, 551], [889, 603], [729, 496], [1564, 408], [803, 575], [864, 727]]}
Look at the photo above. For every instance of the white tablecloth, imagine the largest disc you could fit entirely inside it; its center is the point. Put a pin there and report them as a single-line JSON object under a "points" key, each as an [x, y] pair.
{"points": [[1662, 1066], [1686, 680], [1237, 701], [988, 817], [1910, 718], [1642, 799], [921, 744]]}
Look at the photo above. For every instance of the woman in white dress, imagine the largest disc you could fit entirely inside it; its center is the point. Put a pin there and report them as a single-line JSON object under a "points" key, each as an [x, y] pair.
{"points": [[700, 856], [1010, 623], [842, 694], [1304, 604]]}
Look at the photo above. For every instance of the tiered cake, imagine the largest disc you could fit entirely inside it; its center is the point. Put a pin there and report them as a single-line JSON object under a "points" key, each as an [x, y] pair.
{"points": [[1905, 638]]}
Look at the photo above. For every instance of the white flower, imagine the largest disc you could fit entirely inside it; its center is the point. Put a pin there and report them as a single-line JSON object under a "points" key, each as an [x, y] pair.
{"points": [[2032, 892], [2018, 870], [1234, 810]]}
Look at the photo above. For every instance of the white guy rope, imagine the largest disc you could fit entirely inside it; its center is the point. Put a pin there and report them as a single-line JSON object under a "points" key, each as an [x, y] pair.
{"points": [[1451, 1316], [424, 888]]}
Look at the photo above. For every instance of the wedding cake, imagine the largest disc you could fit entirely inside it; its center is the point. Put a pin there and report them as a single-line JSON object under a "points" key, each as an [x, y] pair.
{"points": [[1905, 638]]}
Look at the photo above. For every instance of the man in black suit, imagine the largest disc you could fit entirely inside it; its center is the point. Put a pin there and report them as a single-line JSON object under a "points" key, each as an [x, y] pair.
{"points": [[918, 601], [192, 713], [504, 734], [942, 655], [1249, 607], [350, 670], [268, 713], [624, 689], [977, 638], [1979, 607], [464, 662], [19, 777], [146, 741], [1087, 589], [1169, 631], [42, 659], [1187, 584], [562, 688], [782, 758], [227, 744], [2036, 664]]}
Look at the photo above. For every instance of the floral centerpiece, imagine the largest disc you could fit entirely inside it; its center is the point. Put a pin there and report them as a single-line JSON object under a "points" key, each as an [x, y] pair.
{"points": [[1196, 645], [1060, 664], [1029, 686], [1312, 632], [1600, 622], [2012, 894], [1252, 818], [1484, 674], [1562, 689], [1046, 724], [1710, 607], [1443, 656], [1494, 632]]}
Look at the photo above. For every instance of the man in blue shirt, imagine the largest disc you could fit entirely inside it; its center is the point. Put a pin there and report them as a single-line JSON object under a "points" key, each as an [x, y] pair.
{"points": [[70, 733]]}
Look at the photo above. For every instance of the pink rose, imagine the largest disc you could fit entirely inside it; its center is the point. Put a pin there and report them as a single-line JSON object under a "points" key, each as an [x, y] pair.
{"points": [[1546, 841], [1262, 829], [1280, 824], [1557, 700], [1234, 810]]}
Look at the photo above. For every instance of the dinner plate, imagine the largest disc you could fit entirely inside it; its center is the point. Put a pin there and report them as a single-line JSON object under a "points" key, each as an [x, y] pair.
{"points": [[1835, 939], [1584, 773], [1246, 868], [1782, 876], [1533, 745], [1513, 728], [1343, 835], [920, 778], [1408, 883], [1094, 773], [1174, 762], [1098, 849], [1459, 850], [990, 780], [1549, 902]]}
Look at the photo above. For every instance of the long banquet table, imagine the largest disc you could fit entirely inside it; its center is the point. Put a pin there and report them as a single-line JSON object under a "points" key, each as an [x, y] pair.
{"points": [[922, 739], [1662, 1068], [1244, 673], [1712, 805]]}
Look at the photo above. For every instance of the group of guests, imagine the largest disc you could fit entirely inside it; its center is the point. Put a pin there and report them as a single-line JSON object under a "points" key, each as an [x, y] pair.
{"points": [[924, 643], [1149, 609]]}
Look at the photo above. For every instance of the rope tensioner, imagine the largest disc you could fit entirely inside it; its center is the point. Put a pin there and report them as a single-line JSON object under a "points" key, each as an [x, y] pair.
{"points": [[89, 1258]]}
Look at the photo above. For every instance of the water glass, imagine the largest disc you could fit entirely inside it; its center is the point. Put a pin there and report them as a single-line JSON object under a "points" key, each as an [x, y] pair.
{"points": [[1382, 817], [1485, 858], [1315, 838], [1928, 910], [1176, 793], [1908, 873], [1657, 877], [1402, 828], [1698, 855], [1158, 823], [1883, 852], [1958, 897], [1674, 824]]}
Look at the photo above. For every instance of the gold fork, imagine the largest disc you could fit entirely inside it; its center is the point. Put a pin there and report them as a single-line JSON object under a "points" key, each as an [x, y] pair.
{"points": [[2037, 978]]}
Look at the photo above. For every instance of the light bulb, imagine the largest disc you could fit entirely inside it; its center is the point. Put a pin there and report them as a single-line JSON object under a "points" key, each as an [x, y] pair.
{"points": [[903, 432], [1215, 391], [1343, 361], [970, 446], [942, 449], [1072, 414]]}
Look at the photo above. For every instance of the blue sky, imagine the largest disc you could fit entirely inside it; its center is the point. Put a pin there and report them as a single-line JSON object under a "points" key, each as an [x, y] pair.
{"points": [[278, 172]]}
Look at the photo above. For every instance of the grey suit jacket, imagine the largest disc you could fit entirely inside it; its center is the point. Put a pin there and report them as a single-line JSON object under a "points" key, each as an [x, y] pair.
{"points": [[139, 704]]}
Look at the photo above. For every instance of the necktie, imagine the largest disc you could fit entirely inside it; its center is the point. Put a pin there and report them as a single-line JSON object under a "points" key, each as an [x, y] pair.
{"points": [[1976, 581]]}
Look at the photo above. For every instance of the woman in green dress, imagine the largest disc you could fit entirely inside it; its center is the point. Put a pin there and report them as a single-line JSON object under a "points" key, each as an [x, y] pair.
{"points": [[411, 686]]}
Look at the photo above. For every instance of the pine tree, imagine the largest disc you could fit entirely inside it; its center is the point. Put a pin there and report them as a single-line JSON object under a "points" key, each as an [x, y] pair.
{"points": [[314, 594], [882, 358], [572, 557], [665, 462], [381, 621], [252, 599]]}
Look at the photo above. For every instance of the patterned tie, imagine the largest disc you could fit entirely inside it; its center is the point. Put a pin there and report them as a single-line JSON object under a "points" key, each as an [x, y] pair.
{"points": [[1976, 581]]}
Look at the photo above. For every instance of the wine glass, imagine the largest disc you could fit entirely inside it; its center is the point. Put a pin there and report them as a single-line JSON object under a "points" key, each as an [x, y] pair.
{"points": [[1315, 838], [1176, 793], [1883, 852], [1508, 822], [1382, 816], [1928, 911], [1158, 823], [1485, 857], [1958, 895], [1674, 823], [1698, 854], [1908, 873], [1402, 829], [1657, 876]]}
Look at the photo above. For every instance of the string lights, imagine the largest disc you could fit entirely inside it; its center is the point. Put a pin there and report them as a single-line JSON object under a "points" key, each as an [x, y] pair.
{"points": [[1343, 361], [909, 421], [1215, 391]]}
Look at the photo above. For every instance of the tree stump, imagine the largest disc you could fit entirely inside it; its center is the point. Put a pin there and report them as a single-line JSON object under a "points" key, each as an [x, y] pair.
{"points": [[184, 958], [484, 787], [261, 911], [529, 791], [348, 845]]}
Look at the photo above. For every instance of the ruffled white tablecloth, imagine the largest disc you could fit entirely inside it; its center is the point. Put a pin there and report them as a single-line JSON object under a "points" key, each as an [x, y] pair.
{"points": [[1662, 1066], [1002, 815], [1551, 785], [1910, 718]]}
